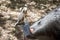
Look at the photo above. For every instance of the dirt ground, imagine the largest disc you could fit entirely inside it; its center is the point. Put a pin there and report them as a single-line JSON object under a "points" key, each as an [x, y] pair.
{"points": [[9, 16]]}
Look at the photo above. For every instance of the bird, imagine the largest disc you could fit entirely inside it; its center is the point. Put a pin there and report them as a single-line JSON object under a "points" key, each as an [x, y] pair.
{"points": [[21, 15]]}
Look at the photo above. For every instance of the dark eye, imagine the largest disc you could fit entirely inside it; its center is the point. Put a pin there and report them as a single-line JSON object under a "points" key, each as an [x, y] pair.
{"points": [[39, 23], [56, 10]]}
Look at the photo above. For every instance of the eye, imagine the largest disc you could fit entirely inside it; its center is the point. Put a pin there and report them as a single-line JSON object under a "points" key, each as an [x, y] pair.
{"points": [[39, 23], [56, 10]]}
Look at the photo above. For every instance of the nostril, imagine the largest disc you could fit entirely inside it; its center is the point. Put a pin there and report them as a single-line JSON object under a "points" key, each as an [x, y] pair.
{"points": [[32, 29]]}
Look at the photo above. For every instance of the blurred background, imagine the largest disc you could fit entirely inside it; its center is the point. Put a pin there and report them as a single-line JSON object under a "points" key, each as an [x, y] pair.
{"points": [[10, 9]]}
